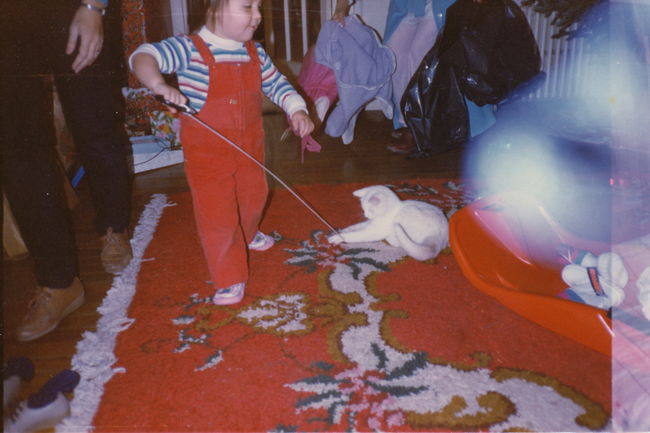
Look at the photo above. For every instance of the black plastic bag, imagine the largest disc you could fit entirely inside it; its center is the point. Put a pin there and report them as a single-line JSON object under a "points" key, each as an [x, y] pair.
{"points": [[484, 52]]}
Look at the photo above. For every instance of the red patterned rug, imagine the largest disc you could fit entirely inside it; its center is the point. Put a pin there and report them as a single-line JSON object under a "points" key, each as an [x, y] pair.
{"points": [[357, 337]]}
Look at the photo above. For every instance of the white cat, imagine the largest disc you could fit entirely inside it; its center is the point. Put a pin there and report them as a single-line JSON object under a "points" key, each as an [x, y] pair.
{"points": [[419, 228]]}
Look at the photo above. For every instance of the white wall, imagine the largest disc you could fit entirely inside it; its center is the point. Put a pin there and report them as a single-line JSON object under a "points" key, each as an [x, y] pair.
{"points": [[179, 16]]}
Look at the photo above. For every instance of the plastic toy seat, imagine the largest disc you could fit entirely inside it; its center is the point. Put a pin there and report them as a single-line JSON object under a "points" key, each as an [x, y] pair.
{"points": [[509, 247]]}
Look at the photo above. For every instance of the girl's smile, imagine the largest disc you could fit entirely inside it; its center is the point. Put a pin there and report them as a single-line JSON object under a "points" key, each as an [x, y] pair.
{"points": [[237, 20]]}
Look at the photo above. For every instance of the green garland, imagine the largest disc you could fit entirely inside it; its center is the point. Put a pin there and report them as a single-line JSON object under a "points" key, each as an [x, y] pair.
{"points": [[567, 13]]}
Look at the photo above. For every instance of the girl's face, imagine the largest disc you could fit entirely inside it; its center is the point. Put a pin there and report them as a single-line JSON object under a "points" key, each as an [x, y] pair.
{"points": [[238, 20]]}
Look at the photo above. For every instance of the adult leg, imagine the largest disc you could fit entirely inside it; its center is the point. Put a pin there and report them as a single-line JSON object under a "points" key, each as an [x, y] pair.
{"points": [[31, 177], [90, 107], [33, 182], [87, 104]]}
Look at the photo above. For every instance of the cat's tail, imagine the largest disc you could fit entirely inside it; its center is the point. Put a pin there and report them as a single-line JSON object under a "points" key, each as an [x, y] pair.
{"points": [[429, 249]]}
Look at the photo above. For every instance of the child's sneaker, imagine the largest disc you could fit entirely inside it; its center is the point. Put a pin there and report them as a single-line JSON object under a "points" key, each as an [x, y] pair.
{"points": [[28, 418], [64, 381], [16, 371], [46, 408], [229, 295], [261, 242]]}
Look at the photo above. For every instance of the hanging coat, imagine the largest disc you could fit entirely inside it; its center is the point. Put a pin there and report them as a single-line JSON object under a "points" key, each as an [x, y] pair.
{"points": [[485, 51], [363, 67], [318, 83]]}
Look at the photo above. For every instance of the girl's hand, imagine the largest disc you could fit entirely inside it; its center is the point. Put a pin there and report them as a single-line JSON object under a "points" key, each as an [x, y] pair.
{"points": [[171, 94], [301, 124]]}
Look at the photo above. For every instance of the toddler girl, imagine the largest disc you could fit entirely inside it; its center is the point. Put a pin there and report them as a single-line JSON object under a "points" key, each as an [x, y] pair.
{"points": [[222, 73]]}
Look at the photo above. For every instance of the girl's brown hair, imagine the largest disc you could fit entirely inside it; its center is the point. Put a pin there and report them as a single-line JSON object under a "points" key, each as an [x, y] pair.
{"points": [[213, 8]]}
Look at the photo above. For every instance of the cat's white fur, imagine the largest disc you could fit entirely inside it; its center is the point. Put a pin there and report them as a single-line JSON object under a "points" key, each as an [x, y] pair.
{"points": [[420, 228]]}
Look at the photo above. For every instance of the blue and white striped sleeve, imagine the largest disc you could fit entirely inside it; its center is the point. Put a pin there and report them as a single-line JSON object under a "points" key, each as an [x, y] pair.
{"points": [[172, 54], [277, 87]]}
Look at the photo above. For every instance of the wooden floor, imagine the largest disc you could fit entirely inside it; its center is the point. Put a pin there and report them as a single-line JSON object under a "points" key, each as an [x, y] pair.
{"points": [[366, 159]]}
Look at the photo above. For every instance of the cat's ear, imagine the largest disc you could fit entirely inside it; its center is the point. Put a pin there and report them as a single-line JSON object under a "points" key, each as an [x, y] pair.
{"points": [[361, 192]]}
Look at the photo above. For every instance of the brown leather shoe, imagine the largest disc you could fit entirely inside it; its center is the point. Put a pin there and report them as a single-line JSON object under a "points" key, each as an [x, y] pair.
{"points": [[47, 308], [116, 251]]}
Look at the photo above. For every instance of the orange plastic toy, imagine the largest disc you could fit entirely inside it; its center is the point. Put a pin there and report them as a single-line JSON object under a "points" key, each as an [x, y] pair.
{"points": [[508, 246]]}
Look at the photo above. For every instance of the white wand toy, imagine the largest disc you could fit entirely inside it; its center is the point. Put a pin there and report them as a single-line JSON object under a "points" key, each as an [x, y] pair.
{"points": [[189, 111]]}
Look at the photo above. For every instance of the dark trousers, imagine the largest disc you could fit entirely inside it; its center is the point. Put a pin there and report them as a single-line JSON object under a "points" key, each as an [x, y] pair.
{"points": [[34, 43]]}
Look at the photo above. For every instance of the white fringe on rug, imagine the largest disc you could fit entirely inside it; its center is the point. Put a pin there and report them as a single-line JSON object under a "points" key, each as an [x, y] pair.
{"points": [[95, 352]]}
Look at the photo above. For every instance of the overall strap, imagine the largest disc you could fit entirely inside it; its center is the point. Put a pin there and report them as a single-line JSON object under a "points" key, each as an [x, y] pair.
{"points": [[252, 52], [205, 52]]}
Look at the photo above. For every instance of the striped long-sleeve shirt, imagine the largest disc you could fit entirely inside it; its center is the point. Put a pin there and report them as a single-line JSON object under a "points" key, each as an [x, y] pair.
{"points": [[178, 55]]}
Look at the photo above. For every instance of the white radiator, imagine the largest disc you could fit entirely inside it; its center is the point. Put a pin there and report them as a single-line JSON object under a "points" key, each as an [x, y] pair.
{"points": [[566, 62], [296, 29], [288, 29]]}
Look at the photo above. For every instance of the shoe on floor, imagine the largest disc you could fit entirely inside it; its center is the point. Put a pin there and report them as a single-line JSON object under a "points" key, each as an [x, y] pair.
{"points": [[401, 148], [404, 144], [229, 295], [64, 381], [399, 133], [47, 308], [116, 251], [17, 370], [261, 242], [46, 408], [28, 417]]}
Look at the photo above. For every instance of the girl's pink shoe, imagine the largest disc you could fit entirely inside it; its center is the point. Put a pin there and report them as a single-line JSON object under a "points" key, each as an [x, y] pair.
{"points": [[229, 295], [261, 242]]}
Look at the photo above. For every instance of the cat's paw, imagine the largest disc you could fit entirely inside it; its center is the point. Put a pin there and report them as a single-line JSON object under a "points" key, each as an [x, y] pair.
{"points": [[335, 239]]}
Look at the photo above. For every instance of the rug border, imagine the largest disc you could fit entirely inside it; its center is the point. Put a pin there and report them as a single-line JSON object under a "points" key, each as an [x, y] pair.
{"points": [[94, 357]]}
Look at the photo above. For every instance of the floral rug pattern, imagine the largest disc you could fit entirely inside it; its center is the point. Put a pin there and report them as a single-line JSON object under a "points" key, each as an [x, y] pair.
{"points": [[343, 338]]}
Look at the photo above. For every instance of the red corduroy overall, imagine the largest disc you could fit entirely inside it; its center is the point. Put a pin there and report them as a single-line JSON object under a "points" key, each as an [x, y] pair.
{"points": [[228, 190]]}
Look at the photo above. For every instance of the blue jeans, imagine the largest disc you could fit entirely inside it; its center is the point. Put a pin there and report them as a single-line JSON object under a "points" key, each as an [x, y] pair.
{"points": [[31, 179]]}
